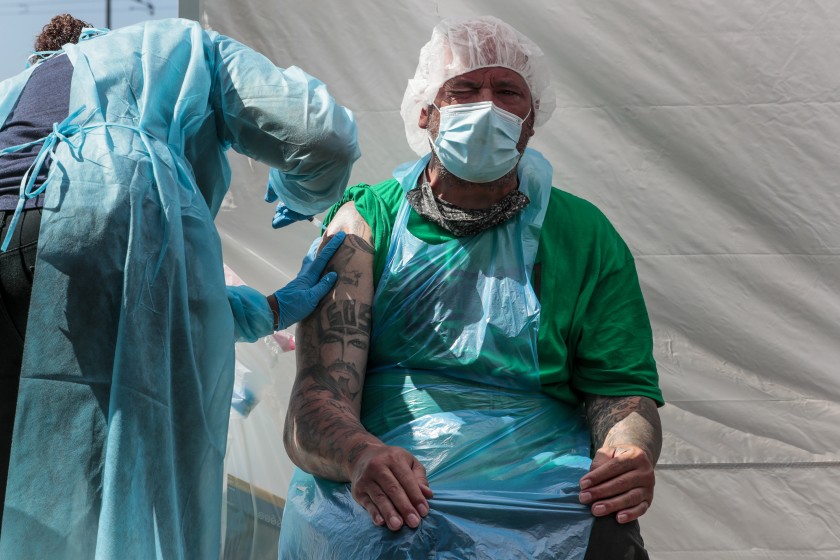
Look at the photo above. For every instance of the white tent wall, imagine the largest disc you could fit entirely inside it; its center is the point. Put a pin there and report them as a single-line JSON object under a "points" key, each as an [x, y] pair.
{"points": [[709, 133]]}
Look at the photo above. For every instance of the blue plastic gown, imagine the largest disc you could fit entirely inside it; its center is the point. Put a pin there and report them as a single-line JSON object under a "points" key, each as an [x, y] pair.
{"points": [[129, 360], [454, 380]]}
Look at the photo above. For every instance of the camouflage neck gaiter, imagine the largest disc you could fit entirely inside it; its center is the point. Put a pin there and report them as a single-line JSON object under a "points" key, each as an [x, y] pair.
{"points": [[462, 222]]}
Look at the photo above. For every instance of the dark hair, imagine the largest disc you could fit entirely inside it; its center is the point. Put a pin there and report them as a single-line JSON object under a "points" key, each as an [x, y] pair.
{"points": [[61, 29]]}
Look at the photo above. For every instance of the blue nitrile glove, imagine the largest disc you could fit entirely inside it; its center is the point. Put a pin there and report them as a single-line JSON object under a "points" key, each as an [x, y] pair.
{"points": [[300, 297], [283, 216], [243, 400]]}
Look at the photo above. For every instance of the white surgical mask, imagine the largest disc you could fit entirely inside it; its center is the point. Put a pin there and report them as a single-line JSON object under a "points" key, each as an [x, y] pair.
{"points": [[477, 141]]}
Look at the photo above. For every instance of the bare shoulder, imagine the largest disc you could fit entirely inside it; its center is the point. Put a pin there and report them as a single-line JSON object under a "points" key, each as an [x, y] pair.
{"points": [[349, 220]]}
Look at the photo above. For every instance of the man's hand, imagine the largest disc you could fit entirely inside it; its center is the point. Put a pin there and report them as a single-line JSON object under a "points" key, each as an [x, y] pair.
{"points": [[391, 484], [628, 434], [620, 481]]}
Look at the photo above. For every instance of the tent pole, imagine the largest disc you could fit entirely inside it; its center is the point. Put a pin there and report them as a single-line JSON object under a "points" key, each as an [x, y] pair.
{"points": [[190, 9]]}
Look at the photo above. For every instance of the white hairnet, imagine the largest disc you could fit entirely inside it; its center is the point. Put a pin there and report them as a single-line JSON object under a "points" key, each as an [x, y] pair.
{"points": [[460, 45]]}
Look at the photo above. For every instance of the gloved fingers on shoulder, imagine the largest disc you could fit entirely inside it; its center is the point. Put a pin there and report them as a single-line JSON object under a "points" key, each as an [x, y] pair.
{"points": [[327, 252], [331, 247], [317, 292]]}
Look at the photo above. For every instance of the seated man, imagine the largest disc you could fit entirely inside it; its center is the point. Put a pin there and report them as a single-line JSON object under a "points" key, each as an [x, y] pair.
{"points": [[480, 320]]}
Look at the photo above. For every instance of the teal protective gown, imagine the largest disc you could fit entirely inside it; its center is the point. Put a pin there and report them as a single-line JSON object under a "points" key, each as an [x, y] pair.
{"points": [[128, 365], [453, 377]]}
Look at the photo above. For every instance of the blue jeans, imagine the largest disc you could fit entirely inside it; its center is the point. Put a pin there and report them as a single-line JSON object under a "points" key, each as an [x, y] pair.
{"points": [[17, 268]]}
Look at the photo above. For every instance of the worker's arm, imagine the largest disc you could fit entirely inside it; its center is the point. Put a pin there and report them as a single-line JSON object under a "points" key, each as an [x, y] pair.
{"points": [[627, 436], [286, 119], [323, 434], [256, 315]]}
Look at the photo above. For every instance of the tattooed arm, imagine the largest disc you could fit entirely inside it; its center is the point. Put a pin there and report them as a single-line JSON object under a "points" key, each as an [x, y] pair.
{"points": [[627, 434], [323, 434]]}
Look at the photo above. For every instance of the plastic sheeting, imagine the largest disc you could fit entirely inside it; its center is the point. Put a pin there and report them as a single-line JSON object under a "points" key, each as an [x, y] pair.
{"points": [[708, 132]]}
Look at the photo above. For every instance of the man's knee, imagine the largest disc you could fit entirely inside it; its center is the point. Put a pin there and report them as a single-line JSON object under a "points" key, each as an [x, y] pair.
{"points": [[611, 540]]}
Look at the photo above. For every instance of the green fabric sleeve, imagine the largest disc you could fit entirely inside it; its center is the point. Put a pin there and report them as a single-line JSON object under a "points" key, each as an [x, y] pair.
{"points": [[377, 204], [615, 350], [595, 334]]}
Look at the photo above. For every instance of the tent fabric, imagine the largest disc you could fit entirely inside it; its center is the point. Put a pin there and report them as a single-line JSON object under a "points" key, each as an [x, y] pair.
{"points": [[708, 133]]}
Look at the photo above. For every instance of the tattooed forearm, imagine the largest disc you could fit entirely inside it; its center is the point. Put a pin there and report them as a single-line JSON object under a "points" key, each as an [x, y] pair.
{"points": [[321, 429], [324, 441], [614, 421]]}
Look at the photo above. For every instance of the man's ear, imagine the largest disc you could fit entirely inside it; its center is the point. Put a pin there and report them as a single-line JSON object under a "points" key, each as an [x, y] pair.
{"points": [[532, 120], [423, 121]]}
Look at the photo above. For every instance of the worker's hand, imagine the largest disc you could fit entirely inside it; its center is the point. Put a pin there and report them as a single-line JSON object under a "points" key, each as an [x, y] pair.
{"points": [[391, 484], [301, 296], [619, 481], [283, 216]]}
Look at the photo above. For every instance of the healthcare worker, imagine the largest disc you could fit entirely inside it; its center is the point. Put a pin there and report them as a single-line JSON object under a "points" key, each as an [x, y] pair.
{"points": [[494, 330], [117, 147]]}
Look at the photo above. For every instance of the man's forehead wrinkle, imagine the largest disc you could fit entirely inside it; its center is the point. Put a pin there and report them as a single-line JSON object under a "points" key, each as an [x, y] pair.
{"points": [[509, 82], [463, 80]]}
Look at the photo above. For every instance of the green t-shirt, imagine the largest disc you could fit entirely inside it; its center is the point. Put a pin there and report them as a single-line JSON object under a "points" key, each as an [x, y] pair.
{"points": [[595, 334]]}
